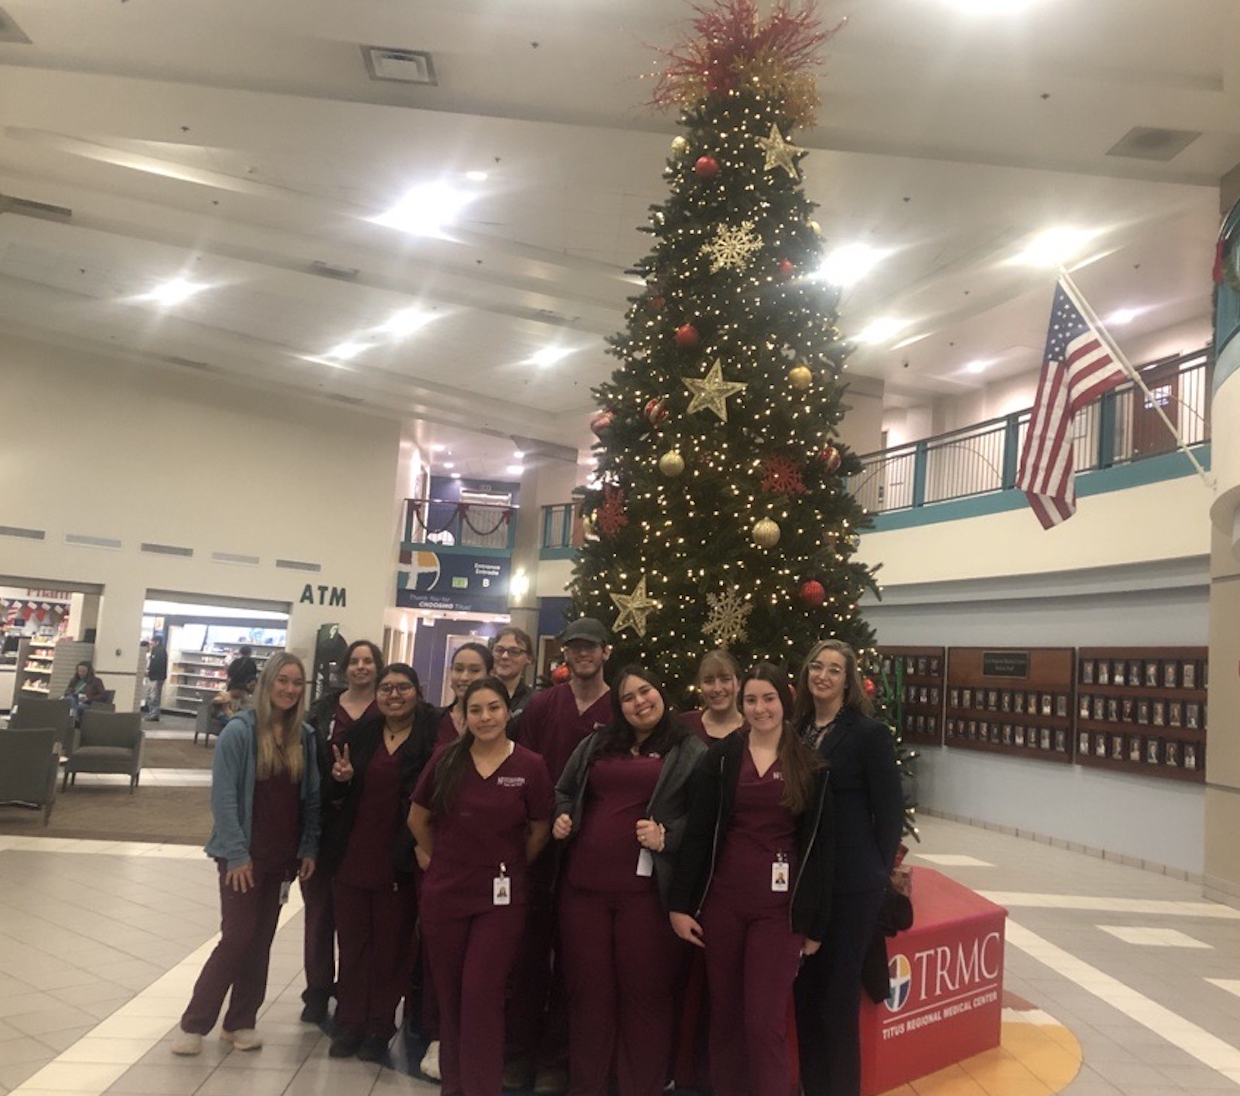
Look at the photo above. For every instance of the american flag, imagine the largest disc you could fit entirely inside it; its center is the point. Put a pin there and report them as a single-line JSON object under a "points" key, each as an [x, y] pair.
{"points": [[1076, 369]]}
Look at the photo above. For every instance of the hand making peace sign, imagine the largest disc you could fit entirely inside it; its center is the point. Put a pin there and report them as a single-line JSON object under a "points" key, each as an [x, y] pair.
{"points": [[342, 767]]}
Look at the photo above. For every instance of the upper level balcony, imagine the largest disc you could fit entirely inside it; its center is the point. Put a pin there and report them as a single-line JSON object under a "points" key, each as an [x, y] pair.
{"points": [[444, 523]]}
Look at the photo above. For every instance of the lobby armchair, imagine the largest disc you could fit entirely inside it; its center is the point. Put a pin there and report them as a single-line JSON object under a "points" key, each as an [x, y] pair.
{"points": [[28, 762], [111, 742], [55, 714]]}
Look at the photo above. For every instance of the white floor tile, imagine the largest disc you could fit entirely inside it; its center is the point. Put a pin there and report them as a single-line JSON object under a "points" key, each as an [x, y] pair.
{"points": [[1153, 938], [952, 860]]}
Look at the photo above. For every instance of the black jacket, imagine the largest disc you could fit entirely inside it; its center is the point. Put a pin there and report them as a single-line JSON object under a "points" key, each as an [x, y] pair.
{"points": [[157, 664], [712, 795], [363, 739], [868, 801], [669, 805]]}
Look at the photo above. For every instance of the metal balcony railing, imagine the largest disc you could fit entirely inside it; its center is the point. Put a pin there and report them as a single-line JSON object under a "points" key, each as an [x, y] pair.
{"points": [[459, 524]]}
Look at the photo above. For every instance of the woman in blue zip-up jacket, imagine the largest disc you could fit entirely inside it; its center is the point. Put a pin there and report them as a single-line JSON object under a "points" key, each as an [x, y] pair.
{"points": [[265, 811], [753, 883]]}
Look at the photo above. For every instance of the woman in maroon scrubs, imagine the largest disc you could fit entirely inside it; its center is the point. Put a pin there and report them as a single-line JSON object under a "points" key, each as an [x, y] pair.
{"points": [[718, 684], [753, 883], [331, 717], [370, 855], [470, 663], [265, 812], [481, 812], [622, 800]]}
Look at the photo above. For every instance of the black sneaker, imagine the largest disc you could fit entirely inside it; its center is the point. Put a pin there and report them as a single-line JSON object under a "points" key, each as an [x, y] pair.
{"points": [[374, 1048], [345, 1045]]}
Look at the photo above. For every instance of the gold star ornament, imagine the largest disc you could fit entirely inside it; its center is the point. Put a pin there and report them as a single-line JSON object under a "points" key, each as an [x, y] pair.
{"points": [[780, 153], [712, 393], [634, 609]]}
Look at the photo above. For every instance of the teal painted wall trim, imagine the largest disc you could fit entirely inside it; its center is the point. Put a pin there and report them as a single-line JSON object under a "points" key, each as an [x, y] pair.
{"points": [[1135, 473], [557, 553]]}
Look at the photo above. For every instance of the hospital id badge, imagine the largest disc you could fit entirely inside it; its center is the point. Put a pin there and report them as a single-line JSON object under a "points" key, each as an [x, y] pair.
{"points": [[286, 888], [779, 875], [645, 863], [501, 889]]}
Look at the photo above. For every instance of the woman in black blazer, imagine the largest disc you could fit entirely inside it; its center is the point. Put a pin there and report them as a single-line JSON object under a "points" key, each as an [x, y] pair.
{"points": [[832, 716]]}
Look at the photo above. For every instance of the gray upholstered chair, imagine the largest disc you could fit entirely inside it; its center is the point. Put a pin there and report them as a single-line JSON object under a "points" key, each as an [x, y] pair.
{"points": [[111, 742], [56, 714], [29, 759], [206, 724]]}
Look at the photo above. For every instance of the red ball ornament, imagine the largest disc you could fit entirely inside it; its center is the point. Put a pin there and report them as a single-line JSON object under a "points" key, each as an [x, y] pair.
{"points": [[812, 593], [707, 167], [830, 458], [656, 410], [867, 683], [687, 335], [657, 303], [560, 675], [601, 422], [786, 270]]}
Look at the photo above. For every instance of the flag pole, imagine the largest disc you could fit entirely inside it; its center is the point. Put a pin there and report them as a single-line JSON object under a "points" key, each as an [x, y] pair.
{"points": [[1100, 330]]}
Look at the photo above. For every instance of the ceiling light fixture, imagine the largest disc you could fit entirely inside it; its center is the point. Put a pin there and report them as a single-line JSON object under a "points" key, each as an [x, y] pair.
{"points": [[449, 464], [476, 176], [515, 470], [881, 330], [519, 454], [173, 292], [1055, 246], [1122, 316], [346, 351], [549, 356], [407, 321], [456, 475], [990, 7], [425, 210], [849, 263], [978, 365]]}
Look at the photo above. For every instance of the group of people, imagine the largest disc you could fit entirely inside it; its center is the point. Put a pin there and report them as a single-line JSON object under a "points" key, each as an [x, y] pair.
{"points": [[540, 876]]}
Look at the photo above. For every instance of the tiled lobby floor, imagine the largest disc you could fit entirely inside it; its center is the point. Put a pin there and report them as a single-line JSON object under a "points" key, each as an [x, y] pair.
{"points": [[100, 943]]}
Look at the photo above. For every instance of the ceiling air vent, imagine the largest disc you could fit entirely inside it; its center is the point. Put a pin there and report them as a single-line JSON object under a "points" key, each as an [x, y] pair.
{"points": [[1147, 143], [10, 31], [27, 207], [405, 66], [328, 270]]}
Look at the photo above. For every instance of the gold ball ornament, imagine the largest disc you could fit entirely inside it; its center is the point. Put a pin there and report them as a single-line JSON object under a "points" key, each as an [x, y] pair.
{"points": [[679, 145], [800, 377], [671, 463], [766, 533], [815, 228], [587, 527]]}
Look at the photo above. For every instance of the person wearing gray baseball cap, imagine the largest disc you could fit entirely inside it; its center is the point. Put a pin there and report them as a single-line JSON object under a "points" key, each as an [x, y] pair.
{"points": [[585, 628]]}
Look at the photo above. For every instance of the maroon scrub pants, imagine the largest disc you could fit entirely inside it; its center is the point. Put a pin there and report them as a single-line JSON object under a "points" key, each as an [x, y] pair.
{"points": [[375, 928]]}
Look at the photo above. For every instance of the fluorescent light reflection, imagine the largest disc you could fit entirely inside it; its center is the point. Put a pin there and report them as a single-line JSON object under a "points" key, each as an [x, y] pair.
{"points": [[549, 356], [426, 210], [849, 263], [173, 292]]}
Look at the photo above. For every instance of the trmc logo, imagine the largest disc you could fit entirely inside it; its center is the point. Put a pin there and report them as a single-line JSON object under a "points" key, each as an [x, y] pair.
{"points": [[900, 971]]}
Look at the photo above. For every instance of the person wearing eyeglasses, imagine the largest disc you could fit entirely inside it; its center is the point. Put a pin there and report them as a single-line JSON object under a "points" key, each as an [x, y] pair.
{"points": [[512, 650], [470, 662], [369, 853], [331, 717]]}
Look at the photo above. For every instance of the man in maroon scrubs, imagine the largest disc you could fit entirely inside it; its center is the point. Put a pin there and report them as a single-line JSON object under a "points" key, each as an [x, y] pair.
{"points": [[553, 722]]}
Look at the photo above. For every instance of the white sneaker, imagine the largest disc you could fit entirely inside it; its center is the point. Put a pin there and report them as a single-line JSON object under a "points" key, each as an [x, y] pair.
{"points": [[187, 1044], [430, 1062], [243, 1038]]}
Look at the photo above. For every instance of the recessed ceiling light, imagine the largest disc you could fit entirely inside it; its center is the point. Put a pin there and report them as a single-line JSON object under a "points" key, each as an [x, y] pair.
{"points": [[449, 464], [407, 321], [476, 176], [1055, 246], [1122, 316], [978, 365], [456, 475], [990, 7], [173, 292], [438, 448], [849, 263], [519, 454], [425, 210], [881, 330], [549, 356], [347, 351], [515, 470]]}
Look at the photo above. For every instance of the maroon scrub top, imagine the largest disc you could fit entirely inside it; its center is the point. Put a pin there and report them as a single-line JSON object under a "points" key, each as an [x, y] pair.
{"points": [[693, 720], [276, 826], [484, 828], [552, 726], [603, 855], [446, 732], [367, 860], [761, 828], [342, 721]]}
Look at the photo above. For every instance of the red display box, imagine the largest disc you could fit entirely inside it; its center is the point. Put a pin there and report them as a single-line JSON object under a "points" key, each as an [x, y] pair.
{"points": [[947, 987]]}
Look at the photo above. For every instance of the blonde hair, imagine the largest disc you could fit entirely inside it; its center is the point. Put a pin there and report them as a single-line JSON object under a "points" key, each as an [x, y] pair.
{"points": [[284, 755]]}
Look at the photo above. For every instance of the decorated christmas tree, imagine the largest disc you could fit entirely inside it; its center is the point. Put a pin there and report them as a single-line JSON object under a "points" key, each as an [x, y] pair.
{"points": [[720, 515]]}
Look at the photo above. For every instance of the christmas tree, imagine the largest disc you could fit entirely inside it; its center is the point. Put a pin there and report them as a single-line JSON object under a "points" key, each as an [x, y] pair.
{"points": [[719, 515]]}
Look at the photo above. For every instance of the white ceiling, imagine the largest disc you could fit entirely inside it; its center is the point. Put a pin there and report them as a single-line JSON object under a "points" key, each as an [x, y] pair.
{"points": [[240, 143]]}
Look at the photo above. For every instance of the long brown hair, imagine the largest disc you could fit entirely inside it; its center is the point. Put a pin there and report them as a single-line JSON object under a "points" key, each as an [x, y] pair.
{"points": [[618, 737], [854, 687], [286, 755], [451, 768], [797, 762]]}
